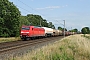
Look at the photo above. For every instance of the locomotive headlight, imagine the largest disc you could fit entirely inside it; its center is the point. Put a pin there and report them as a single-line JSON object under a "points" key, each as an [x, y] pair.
{"points": [[24, 32]]}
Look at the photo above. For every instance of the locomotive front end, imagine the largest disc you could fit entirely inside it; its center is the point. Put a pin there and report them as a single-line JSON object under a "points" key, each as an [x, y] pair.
{"points": [[24, 32]]}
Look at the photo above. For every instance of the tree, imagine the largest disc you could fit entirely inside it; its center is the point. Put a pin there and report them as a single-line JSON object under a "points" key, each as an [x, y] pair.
{"points": [[37, 20], [85, 30], [34, 19], [50, 25], [63, 29], [44, 23], [74, 30], [53, 27], [59, 28], [24, 21], [9, 17]]}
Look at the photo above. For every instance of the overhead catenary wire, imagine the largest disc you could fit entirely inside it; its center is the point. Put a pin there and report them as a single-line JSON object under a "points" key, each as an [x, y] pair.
{"points": [[32, 9], [23, 9]]}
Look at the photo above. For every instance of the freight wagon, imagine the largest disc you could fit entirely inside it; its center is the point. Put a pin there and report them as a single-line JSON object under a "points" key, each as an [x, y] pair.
{"points": [[48, 31]]}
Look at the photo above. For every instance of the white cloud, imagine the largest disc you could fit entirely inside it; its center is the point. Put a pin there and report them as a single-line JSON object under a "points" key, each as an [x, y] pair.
{"points": [[52, 7], [49, 7], [65, 6]]}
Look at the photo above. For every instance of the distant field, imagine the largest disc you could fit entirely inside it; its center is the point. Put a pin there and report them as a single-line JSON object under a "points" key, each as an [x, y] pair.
{"points": [[74, 47], [9, 39]]}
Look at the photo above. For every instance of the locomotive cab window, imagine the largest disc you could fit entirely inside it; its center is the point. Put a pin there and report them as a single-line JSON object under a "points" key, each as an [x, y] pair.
{"points": [[25, 28]]}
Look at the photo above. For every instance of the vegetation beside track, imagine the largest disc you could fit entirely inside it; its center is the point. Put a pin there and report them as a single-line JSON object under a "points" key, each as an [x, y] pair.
{"points": [[9, 39], [86, 36], [74, 47]]}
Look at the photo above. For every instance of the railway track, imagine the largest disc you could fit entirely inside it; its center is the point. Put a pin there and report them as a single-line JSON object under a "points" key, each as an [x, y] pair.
{"points": [[20, 44]]}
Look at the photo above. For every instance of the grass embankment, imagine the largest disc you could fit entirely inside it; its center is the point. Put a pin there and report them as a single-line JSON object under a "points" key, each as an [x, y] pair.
{"points": [[9, 39], [86, 35], [75, 47]]}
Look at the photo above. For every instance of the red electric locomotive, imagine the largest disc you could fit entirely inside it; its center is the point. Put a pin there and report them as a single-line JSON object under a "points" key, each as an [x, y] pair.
{"points": [[31, 32]]}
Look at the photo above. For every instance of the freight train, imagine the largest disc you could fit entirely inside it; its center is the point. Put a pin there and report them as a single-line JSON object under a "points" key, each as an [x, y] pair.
{"points": [[31, 32]]}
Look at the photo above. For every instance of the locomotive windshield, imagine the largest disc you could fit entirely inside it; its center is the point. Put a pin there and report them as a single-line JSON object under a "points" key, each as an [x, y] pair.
{"points": [[25, 28]]}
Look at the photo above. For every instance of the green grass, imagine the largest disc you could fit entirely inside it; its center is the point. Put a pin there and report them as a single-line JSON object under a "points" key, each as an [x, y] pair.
{"points": [[9, 39], [73, 47]]}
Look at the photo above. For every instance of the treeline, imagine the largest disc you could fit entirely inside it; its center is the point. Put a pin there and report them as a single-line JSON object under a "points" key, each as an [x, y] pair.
{"points": [[11, 20], [84, 30], [35, 20], [73, 30]]}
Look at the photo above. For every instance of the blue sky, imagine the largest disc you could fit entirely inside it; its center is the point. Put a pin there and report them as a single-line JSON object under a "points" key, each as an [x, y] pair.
{"points": [[76, 13]]}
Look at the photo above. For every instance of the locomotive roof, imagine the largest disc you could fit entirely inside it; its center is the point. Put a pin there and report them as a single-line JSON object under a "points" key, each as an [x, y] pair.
{"points": [[31, 26]]}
